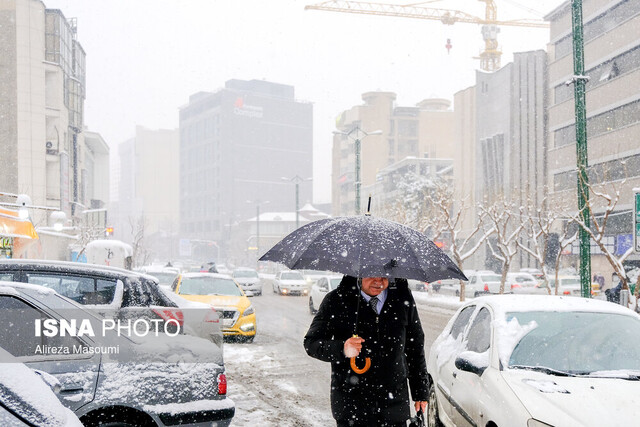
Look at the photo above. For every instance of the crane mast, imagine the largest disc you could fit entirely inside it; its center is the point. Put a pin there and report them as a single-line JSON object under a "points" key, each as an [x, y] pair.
{"points": [[489, 57]]}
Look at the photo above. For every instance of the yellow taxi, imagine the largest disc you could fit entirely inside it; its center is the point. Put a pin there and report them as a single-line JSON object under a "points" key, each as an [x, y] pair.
{"points": [[226, 296]]}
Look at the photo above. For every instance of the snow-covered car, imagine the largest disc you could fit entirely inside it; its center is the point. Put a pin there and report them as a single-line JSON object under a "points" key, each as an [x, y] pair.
{"points": [[534, 360], [27, 400], [248, 280], [522, 283], [108, 377], [312, 276], [165, 275], [483, 282], [320, 288], [114, 292], [290, 282], [567, 285]]}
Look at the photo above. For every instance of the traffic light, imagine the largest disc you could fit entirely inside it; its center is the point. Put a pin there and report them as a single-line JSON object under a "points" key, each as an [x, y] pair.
{"points": [[109, 231]]}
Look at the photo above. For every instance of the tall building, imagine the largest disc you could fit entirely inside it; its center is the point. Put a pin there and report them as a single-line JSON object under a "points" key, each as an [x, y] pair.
{"points": [[148, 190], [510, 130], [42, 91], [422, 131], [612, 62], [236, 146]]}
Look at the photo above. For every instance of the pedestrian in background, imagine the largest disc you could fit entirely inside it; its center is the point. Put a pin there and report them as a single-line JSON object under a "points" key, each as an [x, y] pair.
{"points": [[389, 333]]}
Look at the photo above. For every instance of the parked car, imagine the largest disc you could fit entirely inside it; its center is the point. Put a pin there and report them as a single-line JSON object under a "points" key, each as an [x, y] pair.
{"points": [[289, 282], [483, 282], [27, 400], [109, 378], [165, 275], [567, 285], [320, 288], [532, 360], [249, 280], [522, 283], [112, 291], [222, 293]]}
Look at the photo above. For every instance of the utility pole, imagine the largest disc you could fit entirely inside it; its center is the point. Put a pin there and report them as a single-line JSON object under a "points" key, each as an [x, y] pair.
{"points": [[579, 81], [297, 180], [358, 140]]}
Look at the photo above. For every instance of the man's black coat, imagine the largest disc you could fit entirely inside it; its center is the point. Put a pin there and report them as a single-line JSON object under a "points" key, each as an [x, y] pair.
{"points": [[393, 340]]}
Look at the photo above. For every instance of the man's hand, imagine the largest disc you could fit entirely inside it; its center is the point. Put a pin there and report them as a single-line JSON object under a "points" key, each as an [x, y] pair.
{"points": [[353, 346], [421, 405]]}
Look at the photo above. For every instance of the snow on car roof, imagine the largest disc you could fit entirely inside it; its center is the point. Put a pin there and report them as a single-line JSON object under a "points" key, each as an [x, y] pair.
{"points": [[522, 303]]}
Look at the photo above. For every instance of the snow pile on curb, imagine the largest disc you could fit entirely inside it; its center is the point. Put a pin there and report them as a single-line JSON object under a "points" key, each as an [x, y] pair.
{"points": [[449, 302]]}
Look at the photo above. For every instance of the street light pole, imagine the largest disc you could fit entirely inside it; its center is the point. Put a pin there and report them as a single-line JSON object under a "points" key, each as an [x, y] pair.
{"points": [[297, 180], [358, 141], [257, 202]]}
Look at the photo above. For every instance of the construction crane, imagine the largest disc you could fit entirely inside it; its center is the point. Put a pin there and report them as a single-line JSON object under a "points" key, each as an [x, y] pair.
{"points": [[489, 57]]}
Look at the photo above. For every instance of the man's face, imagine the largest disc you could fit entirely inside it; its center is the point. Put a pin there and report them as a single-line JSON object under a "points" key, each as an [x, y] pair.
{"points": [[373, 286]]}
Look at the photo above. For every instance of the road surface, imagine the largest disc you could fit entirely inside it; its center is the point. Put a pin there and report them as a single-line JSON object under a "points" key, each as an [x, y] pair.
{"points": [[272, 380]]}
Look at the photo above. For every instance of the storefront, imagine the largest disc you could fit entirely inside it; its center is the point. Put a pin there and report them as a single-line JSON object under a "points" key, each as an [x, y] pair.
{"points": [[18, 237]]}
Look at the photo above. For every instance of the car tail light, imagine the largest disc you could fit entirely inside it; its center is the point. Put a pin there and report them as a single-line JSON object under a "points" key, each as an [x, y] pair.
{"points": [[440, 282], [515, 285], [486, 287], [170, 314], [567, 292], [212, 316], [222, 384]]}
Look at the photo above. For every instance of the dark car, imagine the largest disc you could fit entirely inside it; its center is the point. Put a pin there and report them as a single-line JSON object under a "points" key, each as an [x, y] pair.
{"points": [[127, 293]]}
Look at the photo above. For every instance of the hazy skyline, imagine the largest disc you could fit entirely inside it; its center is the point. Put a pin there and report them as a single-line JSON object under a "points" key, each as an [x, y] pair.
{"points": [[145, 57]]}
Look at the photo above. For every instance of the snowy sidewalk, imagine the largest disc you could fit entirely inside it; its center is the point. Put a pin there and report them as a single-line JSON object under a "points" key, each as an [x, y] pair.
{"points": [[429, 301]]}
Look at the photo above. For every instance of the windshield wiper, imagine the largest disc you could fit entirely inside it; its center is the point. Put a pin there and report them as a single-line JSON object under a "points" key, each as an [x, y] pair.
{"points": [[544, 369], [622, 376]]}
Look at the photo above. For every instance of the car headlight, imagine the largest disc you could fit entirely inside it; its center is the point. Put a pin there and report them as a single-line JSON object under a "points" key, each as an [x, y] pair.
{"points": [[535, 423], [249, 311]]}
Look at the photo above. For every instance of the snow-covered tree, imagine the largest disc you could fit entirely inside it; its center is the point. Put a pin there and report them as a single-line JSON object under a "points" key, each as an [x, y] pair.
{"points": [[504, 217]]}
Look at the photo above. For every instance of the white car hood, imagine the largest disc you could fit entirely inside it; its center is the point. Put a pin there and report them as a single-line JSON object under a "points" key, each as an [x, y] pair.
{"points": [[248, 281], [576, 401]]}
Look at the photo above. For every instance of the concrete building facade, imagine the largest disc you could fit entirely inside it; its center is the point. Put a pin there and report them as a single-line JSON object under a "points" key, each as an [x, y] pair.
{"points": [[148, 190], [424, 131], [42, 93], [612, 62], [236, 145]]}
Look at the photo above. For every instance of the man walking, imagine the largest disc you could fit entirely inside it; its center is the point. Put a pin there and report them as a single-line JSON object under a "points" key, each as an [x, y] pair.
{"points": [[389, 333]]}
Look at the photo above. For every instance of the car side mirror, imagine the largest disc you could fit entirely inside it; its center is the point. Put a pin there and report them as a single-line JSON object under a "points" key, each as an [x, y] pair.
{"points": [[324, 288], [470, 361]]}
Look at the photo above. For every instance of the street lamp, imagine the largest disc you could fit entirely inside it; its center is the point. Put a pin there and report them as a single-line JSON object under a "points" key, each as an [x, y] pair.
{"points": [[257, 202], [297, 180], [357, 139]]}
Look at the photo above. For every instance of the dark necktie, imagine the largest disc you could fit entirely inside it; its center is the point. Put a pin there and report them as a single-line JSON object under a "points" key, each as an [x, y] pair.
{"points": [[373, 302]]}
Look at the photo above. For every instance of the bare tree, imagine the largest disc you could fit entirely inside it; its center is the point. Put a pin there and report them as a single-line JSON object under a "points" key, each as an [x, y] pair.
{"points": [[598, 226], [565, 240], [450, 218], [506, 220], [140, 252]]}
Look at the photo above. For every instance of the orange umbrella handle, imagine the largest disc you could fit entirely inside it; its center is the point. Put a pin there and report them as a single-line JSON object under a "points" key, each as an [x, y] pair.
{"points": [[354, 367]]}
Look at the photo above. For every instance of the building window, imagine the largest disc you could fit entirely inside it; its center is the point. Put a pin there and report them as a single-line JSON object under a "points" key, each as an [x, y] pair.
{"points": [[602, 123], [407, 128], [613, 170]]}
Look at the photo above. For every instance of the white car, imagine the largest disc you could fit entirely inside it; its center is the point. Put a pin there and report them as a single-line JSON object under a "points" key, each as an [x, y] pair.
{"points": [[165, 275], [320, 288], [248, 280], [567, 286], [290, 282], [521, 283], [536, 361], [483, 282]]}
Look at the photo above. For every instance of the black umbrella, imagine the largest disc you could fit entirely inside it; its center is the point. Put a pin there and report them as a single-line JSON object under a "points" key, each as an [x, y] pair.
{"points": [[364, 246]]}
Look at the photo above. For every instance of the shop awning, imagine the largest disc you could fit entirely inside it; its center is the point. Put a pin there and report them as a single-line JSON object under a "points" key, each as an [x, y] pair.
{"points": [[11, 225]]}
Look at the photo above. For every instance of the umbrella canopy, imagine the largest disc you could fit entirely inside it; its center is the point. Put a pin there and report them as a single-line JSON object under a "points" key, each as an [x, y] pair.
{"points": [[364, 246]]}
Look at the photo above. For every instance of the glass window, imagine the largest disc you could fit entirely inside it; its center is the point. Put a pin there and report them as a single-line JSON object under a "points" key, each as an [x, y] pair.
{"points": [[291, 276], [479, 337], [208, 286], [463, 318], [83, 290], [578, 342], [18, 336]]}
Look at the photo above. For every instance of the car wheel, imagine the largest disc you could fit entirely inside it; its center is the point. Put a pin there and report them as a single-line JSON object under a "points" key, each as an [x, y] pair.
{"points": [[475, 294], [311, 309], [433, 419]]}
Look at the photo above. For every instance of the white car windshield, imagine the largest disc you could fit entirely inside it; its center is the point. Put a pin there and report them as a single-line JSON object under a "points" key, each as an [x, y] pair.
{"points": [[578, 342], [209, 286], [490, 278], [291, 276]]}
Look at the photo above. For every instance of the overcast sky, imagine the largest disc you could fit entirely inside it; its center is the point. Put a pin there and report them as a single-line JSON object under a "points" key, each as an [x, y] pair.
{"points": [[145, 57]]}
